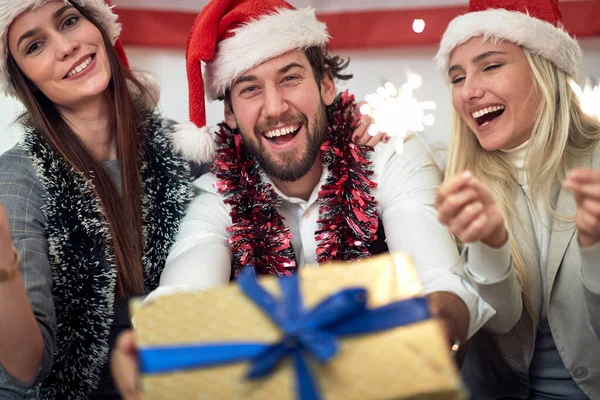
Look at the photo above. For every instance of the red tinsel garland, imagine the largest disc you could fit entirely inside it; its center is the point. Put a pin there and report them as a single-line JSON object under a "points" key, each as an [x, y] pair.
{"points": [[348, 212]]}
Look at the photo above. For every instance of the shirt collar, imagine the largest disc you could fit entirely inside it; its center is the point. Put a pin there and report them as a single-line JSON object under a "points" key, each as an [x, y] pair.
{"points": [[296, 200]]}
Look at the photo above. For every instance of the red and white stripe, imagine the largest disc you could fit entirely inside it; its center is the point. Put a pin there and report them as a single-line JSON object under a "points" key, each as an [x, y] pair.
{"points": [[352, 24]]}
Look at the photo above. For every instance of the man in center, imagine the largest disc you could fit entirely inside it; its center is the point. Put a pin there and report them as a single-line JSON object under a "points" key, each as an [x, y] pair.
{"points": [[288, 188]]}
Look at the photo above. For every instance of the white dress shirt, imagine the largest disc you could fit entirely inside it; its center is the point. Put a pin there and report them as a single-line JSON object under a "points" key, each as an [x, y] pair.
{"points": [[407, 183]]}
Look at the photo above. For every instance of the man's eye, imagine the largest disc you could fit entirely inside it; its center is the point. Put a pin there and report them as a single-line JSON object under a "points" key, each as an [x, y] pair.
{"points": [[290, 78], [457, 79], [248, 89]]}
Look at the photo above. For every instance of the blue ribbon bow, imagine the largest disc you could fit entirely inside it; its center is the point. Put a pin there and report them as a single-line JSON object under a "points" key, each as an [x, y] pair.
{"points": [[305, 332]]}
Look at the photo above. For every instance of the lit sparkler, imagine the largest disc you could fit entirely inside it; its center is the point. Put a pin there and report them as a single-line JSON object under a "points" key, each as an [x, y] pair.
{"points": [[397, 112], [589, 97]]}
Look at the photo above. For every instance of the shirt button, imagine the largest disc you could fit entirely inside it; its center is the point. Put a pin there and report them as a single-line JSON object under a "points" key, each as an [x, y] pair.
{"points": [[580, 372]]}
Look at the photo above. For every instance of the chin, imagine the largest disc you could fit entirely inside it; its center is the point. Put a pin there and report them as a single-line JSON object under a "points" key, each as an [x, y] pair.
{"points": [[98, 85], [490, 145]]}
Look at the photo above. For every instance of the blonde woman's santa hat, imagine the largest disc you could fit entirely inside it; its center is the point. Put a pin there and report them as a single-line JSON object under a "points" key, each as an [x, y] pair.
{"points": [[533, 24], [231, 37], [101, 10]]}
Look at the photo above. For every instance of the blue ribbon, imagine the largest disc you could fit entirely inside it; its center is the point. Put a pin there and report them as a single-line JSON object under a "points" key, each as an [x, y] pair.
{"points": [[304, 332]]}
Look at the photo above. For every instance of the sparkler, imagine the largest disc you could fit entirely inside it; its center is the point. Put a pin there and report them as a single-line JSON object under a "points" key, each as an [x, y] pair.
{"points": [[397, 112]]}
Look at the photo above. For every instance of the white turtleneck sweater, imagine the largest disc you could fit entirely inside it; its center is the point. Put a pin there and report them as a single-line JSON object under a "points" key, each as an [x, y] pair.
{"points": [[540, 215], [542, 225]]}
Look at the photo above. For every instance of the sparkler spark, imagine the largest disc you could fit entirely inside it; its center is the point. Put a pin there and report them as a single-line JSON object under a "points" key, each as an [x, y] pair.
{"points": [[396, 111]]}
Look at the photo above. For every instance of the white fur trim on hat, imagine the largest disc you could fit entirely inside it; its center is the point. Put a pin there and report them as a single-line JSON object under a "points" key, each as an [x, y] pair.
{"points": [[260, 40], [11, 9], [538, 36], [151, 85], [193, 143]]}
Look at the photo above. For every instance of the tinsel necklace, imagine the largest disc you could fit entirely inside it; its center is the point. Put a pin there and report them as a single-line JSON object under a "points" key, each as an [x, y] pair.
{"points": [[348, 216]]}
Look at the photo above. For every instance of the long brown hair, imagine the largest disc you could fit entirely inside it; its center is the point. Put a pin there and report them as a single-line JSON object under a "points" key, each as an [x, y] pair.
{"points": [[123, 214]]}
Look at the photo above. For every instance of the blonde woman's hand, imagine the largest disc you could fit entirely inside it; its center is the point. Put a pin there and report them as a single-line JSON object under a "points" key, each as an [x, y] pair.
{"points": [[361, 134], [585, 185], [469, 210]]}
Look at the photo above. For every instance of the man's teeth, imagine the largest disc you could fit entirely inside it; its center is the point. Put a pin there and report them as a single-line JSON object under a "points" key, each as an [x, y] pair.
{"points": [[80, 67], [280, 132], [481, 113]]}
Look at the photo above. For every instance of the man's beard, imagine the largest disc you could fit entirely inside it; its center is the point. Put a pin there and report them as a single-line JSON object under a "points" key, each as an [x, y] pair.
{"points": [[291, 168]]}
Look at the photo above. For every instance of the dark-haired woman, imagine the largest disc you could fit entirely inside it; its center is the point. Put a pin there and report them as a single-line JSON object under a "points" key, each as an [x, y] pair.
{"points": [[92, 198]]}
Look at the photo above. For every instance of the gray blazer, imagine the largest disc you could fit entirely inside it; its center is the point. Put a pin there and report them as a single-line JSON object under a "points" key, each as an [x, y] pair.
{"points": [[497, 364]]}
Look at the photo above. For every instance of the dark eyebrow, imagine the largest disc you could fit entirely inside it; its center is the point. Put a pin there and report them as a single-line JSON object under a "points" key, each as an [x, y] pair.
{"points": [[454, 68], [245, 78], [475, 60], [27, 35], [56, 15], [290, 66], [252, 78]]}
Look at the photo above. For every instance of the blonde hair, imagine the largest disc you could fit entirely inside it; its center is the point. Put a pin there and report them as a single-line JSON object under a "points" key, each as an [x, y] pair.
{"points": [[562, 135]]}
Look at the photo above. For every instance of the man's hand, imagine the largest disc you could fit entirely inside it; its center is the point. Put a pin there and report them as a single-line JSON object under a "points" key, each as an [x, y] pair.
{"points": [[585, 185], [124, 366], [452, 313], [469, 210]]}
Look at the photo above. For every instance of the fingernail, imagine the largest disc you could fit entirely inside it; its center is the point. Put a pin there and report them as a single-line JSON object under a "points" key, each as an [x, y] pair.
{"points": [[355, 138], [386, 139]]}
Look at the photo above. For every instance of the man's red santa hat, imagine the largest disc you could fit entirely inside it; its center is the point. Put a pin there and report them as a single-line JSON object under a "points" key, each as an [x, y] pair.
{"points": [[101, 10], [533, 24], [231, 37]]}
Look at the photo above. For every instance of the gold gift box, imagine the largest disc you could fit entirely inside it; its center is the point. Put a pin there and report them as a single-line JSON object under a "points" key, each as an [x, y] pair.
{"points": [[408, 362]]}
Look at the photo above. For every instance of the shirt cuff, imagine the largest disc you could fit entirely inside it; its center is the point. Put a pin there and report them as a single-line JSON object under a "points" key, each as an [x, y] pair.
{"points": [[488, 265], [590, 267], [480, 312]]}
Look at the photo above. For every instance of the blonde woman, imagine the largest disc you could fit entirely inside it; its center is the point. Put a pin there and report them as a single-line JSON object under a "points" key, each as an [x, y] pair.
{"points": [[522, 195]]}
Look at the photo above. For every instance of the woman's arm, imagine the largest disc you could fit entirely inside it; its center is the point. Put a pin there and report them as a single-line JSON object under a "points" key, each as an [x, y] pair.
{"points": [[491, 273], [21, 343], [27, 317], [469, 210]]}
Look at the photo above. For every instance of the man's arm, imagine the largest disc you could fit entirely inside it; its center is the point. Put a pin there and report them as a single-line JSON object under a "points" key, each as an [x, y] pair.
{"points": [[406, 193], [200, 257], [453, 314]]}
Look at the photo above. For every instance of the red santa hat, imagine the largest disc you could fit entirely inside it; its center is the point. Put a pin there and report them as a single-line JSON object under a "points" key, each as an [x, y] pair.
{"points": [[101, 10], [532, 24], [231, 37]]}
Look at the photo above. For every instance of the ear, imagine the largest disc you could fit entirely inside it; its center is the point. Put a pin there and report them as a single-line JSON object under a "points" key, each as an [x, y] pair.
{"points": [[229, 115], [328, 90]]}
